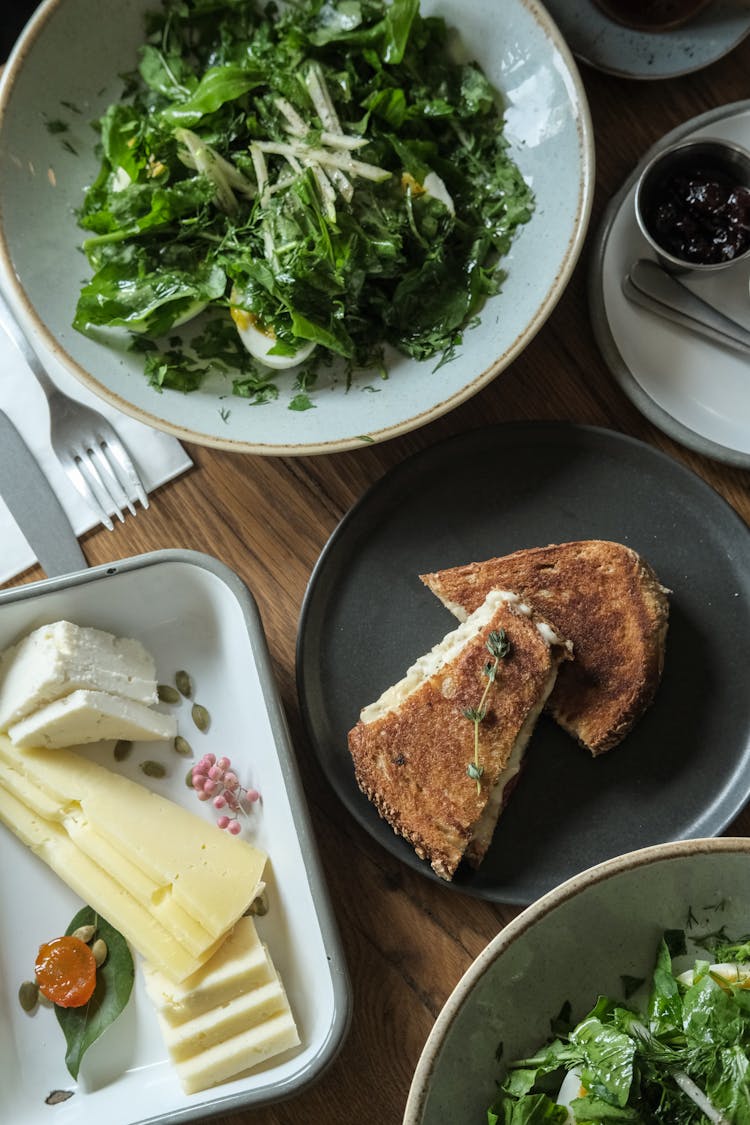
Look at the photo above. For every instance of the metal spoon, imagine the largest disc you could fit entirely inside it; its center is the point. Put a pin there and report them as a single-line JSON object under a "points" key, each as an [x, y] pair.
{"points": [[651, 287]]}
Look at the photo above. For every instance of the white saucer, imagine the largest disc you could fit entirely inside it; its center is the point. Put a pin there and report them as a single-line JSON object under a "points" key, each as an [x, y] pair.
{"points": [[694, 390], [602, 43]]}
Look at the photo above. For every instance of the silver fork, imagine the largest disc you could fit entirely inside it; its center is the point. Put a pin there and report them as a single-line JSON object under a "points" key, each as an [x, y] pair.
{"points": [[87, 446]]}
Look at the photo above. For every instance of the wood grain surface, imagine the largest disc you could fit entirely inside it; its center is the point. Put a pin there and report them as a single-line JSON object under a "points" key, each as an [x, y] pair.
{"points": [[406, 939]]}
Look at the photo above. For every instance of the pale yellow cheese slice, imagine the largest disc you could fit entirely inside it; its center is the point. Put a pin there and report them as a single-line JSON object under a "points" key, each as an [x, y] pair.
{"points": [[186, 929], [245, 1011], [228, 1017], [234, 1056], [137, 849], [94, 885], [211, 874], [241, 964]]}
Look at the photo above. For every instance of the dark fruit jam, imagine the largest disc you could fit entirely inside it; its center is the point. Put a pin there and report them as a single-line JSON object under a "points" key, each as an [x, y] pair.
{"points": [[701, 216]]}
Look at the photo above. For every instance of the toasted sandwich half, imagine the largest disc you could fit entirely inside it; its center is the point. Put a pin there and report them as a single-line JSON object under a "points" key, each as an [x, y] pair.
{"points": [[439, 751], [605, 599]]}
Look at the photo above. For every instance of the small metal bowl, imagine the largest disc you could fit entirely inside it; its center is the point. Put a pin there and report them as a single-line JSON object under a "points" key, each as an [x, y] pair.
{"points": [[730, 160], [652, 15]]}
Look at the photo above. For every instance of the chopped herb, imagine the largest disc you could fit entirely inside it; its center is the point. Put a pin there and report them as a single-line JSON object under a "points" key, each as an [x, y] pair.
{"points": [[301, 401], [675, 940], [55, 127], [499, 647], [225, 414], [630, 985]]}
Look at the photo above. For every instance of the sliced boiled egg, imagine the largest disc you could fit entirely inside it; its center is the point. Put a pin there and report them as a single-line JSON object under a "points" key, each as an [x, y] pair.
{"points": [[435, 187], [259, 340], [724, 973], [432, 186], [570, 1090]]}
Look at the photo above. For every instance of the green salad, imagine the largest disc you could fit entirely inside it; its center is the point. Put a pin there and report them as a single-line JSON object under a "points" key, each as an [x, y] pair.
{"points": [[680, 1059], [324, 178]]}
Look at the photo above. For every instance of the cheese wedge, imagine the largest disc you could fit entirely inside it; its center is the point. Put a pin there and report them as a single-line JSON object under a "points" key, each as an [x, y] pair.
{"points": [[228, 1017], [173, 884]]}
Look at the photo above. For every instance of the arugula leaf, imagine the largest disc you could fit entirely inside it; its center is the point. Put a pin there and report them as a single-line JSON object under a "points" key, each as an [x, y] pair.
{"points": [[114, 982], [665, 1002], [535, 1109], [609, 1057], [116, 296], [218, 85], [593, 1109]]}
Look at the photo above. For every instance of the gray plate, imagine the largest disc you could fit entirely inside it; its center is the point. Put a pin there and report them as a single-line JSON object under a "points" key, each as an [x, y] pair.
{"points": [[684, 770], [600, 324], [607, 45]]}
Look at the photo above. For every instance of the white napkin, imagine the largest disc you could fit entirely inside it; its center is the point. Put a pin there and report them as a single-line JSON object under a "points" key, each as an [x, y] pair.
{"points": [[159, 457]]}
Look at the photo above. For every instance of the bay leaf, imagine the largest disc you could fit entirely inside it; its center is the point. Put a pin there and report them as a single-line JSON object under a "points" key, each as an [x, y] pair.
{"points": [[114, 982]]}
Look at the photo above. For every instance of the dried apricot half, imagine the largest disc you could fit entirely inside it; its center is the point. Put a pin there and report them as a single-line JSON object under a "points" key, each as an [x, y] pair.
{"points": [[66, 971]]}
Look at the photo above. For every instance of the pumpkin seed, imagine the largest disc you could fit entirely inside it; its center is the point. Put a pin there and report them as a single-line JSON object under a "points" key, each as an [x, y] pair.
{"points": [[182, 746], [201, 717], [167, 694], [189, 778], [123, 746], [153, 769], [184, 684], [100, 951], [28, 995], [85, 933], [56, 1097], [259, 905]]}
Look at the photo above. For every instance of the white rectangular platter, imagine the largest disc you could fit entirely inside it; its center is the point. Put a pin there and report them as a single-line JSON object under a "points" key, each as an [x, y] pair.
{"points": [[191, 613]]}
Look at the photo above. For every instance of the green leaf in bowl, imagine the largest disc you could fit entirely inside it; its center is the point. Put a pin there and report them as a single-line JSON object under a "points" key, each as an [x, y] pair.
{"points": [[114, 982]]}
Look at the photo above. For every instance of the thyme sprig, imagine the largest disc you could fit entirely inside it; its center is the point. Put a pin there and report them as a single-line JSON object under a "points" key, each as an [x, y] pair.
{"points": [[498, 647]]}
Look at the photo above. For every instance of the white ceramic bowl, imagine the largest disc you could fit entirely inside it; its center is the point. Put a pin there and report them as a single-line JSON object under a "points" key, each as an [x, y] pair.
{"points": [[72, 53], [573, 944]]}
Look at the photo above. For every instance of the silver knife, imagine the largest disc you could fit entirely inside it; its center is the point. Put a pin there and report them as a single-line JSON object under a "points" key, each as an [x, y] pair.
{"points": [[34, 505], [651, 287]]}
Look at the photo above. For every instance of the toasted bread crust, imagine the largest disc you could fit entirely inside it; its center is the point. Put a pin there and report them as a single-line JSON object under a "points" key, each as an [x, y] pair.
{"points": [[411, 762], [608, 601]]}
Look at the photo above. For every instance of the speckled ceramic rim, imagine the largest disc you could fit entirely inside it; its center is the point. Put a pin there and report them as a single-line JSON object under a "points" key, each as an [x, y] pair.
{"points": [[10, 281], [600, 324], [652, 39], [732, 845]]}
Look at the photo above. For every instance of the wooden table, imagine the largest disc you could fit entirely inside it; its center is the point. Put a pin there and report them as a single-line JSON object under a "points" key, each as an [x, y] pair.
{"points": [[408, 940]]}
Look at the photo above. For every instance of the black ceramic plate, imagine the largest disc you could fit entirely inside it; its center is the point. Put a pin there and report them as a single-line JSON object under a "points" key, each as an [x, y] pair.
{"points": [[683, 772]]}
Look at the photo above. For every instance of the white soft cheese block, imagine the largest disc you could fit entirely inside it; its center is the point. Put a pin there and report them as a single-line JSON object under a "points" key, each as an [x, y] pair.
{"points": [[91, 716], [228, 1017], [60, 658], [171, 882]]}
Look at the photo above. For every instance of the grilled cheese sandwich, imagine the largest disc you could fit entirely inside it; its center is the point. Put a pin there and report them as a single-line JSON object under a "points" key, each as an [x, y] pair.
{"points": [[608, 601], [414, 748]]}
